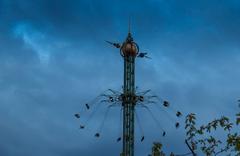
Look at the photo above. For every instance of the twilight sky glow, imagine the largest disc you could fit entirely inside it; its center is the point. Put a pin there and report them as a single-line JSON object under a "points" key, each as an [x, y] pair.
{"points": [[53, 59]]}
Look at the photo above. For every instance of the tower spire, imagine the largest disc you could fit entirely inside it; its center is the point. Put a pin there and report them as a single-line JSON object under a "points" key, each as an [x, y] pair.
{"points": [[129, 25], [129, 37]]}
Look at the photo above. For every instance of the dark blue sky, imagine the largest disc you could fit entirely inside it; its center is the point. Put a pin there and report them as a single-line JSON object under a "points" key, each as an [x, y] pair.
{"points": [[53, 58]]}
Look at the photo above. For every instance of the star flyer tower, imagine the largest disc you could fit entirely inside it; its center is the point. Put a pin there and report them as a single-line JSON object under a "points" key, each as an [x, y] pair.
{"points": [[129, 50], [128, 100]]}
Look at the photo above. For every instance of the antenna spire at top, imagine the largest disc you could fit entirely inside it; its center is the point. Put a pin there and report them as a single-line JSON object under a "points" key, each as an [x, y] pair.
{"points": [[129, 37], [129, 25]]}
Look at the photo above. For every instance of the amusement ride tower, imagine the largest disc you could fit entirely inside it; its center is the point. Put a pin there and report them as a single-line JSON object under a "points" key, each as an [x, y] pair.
{"points": [[128, 99]]}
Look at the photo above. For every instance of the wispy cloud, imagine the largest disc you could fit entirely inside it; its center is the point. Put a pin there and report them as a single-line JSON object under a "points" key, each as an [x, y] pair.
{"points": [[38, 41]]}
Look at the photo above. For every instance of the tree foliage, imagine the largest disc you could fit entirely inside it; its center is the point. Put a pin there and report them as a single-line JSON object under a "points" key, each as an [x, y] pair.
{"points": [[202, 138]]}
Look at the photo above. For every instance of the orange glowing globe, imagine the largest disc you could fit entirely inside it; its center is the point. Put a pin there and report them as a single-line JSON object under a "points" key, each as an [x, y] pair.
{"points": [[129, 49]]}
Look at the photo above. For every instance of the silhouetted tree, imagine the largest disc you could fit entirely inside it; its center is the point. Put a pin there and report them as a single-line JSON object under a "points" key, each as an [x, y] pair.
{"points": [[202, 138]]}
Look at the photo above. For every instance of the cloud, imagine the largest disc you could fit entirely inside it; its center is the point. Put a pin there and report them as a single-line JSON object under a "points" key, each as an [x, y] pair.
{"points": [[53, 59], [37, 41]]}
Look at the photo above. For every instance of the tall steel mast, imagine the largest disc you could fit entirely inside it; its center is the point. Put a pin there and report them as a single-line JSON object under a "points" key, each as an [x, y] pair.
{"points": [[129, 51]]}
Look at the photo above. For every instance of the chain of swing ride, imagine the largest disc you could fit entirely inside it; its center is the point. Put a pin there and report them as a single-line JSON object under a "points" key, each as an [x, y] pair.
{"points": [[111, 98]]}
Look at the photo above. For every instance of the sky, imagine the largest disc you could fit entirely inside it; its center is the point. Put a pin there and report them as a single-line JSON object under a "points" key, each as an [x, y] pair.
{"points": [[54, 58]]}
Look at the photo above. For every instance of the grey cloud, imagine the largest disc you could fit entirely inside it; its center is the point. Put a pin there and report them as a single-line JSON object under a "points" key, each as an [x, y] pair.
{"points": [[195, 51]]}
